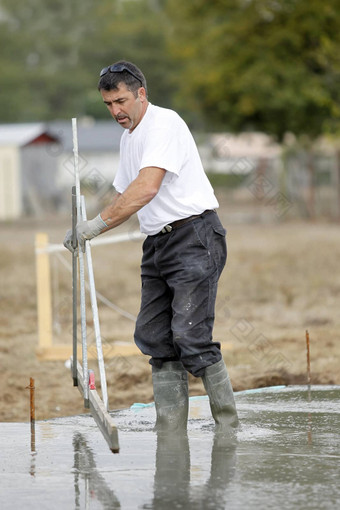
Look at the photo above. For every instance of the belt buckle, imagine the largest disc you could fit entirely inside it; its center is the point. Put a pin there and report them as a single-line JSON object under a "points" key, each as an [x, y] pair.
{"points": [[166, 229]]}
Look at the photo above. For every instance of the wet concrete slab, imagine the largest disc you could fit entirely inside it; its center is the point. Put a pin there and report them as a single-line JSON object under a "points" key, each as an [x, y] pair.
{"points": [[287, 456]]}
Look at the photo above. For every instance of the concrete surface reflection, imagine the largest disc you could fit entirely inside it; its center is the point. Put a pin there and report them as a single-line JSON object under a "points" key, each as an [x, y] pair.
{"points": [[95, 486], [173, 474], [287, 456]]}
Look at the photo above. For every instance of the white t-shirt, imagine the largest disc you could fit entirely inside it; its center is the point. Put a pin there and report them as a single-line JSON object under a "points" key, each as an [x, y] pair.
{"points": [[163, 140]]}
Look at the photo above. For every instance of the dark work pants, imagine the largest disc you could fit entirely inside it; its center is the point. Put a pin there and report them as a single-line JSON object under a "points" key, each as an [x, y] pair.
{"points": [[180, 272]]}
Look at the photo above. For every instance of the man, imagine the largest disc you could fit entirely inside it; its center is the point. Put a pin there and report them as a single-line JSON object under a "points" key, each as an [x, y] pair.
{"points": [[160, 177]]}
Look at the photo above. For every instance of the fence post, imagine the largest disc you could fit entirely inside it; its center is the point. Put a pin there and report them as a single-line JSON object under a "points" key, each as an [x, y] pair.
{"points": [[44, 301]]}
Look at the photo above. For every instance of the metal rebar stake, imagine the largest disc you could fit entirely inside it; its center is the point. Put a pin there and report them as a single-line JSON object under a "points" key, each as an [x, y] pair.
{"points": [[95, 312], [32, 413]]}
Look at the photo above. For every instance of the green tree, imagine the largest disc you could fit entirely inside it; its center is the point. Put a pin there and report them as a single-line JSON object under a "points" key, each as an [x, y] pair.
{"points": [[137, 31], [52, 52], [40, 56], [270, 65]]}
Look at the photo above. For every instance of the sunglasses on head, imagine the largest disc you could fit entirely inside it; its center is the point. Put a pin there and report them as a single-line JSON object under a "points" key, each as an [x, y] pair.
{"points": [[118, 68]]}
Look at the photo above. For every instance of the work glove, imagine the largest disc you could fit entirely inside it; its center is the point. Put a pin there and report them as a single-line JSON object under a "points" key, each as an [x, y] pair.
{"points": [[86, 230]]}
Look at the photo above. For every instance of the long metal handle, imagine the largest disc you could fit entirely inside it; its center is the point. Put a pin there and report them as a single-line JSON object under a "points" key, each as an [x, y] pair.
{"points": [[95, 312], [83, 328], [81, 271], [74, 286]]}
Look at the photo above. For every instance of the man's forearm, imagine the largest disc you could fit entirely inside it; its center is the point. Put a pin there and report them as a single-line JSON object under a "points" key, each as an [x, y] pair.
{"points": [[139, 193]]}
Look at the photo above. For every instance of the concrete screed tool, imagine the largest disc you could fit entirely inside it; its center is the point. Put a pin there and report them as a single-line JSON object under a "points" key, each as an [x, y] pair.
{"points": [[82, 376]]}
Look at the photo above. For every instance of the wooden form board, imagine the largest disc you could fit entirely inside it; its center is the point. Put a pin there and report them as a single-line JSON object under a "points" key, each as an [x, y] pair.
{"points": [[63, 352], [100, 415], [44, 299]]}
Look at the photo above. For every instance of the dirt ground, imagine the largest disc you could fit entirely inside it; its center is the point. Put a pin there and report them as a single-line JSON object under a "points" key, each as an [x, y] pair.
{"points": [[282, 278]]}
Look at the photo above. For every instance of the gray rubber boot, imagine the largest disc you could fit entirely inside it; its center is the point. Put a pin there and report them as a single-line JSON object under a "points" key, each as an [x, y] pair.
{"points": [[220, 392], [170, 388]]}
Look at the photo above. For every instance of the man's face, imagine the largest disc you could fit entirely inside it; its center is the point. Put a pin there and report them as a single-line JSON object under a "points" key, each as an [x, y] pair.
{"points": [[124, 107]]}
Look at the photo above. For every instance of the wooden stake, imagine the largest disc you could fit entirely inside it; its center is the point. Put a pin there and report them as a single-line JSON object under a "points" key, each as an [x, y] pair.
{"points": [[44, 300]]}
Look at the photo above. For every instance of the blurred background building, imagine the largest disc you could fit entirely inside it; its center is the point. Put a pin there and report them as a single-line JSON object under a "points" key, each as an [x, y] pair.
{"points": [[257, 82]]}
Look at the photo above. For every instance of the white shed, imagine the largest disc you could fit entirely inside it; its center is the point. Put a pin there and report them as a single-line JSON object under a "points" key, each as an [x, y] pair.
{"points": [[27, 172], [37, 164]]}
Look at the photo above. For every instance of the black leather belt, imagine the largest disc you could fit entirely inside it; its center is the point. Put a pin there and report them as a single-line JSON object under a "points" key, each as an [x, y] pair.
{"points": [[178, 223]]}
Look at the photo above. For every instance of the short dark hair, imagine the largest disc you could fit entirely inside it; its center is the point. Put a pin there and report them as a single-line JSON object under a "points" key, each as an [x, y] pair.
{"points": [[111, 80]]}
